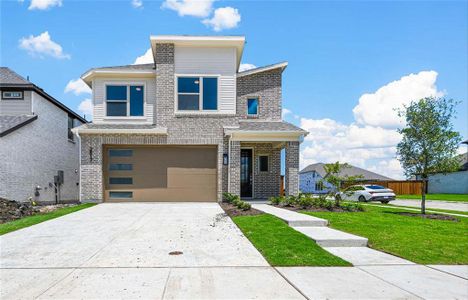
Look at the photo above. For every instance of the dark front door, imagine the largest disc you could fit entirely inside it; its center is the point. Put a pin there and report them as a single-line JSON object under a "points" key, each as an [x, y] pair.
{"points": [[246, 173]]}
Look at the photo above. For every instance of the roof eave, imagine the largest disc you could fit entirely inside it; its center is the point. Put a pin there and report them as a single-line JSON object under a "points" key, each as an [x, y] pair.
{"points": [[91, 74], [281, 65], [148, 131]]}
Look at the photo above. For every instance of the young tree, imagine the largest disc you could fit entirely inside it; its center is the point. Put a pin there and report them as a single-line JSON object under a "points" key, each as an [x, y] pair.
{"points": [[334, 176], [429, 143]]}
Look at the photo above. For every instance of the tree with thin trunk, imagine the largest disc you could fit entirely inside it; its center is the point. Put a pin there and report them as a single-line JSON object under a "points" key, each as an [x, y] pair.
{"points": [[429, 144], [334, 176]]}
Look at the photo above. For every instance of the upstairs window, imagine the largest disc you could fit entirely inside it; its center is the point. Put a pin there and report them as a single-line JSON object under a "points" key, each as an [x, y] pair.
{"points": [[197, 93], [12, 95], [71, 125], [124, 100], [252, 106]]}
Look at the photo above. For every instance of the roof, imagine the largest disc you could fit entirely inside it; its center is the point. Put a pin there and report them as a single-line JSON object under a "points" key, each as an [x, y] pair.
{"points": [[281, 65], [141, 69], [463, 160], [269, 126], [9, 124], [92, 128], [11, 79], [351, 171], [236, 41], [465, 142]]}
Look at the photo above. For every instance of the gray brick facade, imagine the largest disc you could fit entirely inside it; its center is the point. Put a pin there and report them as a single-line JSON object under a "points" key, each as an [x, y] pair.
{"points": [[197, 130], [292, 168]]}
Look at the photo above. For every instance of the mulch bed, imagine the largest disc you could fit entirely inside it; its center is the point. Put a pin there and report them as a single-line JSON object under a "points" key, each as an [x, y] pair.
{"points": [[428, 216], [311, 209], [13, 210], [233, 211]]}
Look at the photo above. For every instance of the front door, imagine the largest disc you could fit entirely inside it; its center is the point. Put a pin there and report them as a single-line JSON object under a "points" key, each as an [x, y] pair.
{"points": [[246, 173]]}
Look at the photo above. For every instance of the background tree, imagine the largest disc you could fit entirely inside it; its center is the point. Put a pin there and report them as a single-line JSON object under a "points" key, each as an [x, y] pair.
{"points": [[429, 144]]}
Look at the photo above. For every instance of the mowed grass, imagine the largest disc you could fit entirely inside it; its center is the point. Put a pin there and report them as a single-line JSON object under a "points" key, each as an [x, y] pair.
{"points": [[36, 219], [440, 197], [423, 241], [283, 246]]}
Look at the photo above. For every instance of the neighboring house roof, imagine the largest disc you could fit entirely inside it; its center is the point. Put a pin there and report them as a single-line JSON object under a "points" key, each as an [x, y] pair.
{"points": [[11, 79], [91, 128], [351, 171], [11, 123], [463, 158], [281, 65], [465, 142]]}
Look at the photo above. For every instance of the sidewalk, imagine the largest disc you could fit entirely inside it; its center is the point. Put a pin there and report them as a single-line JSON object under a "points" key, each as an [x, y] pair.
{"points": [[449, 205]]}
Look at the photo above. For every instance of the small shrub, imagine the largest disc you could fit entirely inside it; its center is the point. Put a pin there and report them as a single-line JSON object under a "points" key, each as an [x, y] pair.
{"points": [[288, 201], [275, 200], [349, 206], [236, 202], [244, 205], [229, 198], [305, 201]]}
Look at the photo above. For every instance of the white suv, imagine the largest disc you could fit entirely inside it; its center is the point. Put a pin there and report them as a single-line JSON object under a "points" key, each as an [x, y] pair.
{"points": [[367, 192]]}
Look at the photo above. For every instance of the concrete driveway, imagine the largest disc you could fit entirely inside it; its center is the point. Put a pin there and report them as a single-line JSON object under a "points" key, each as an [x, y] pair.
{"points": [[450, 205], [123, 250]]}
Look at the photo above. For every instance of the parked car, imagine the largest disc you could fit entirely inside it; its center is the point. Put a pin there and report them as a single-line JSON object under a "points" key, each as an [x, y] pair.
{"points": [[366, 193]]}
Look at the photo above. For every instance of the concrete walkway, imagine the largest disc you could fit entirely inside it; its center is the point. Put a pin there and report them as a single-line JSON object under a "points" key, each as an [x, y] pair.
{"points": [[449, 205]]}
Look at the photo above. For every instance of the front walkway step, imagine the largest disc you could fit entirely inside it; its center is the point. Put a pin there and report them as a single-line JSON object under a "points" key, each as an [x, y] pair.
{"points": [[291, 217], [327, 237], [363, 256]]}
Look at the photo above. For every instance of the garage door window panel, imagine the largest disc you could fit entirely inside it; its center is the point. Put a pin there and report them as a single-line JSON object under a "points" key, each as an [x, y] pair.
{"points": [[120, 195], [121, 167], [120, 152]]}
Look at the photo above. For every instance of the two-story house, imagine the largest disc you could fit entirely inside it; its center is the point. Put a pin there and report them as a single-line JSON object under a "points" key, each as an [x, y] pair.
{"points": [[39, 154], [187, 127]]}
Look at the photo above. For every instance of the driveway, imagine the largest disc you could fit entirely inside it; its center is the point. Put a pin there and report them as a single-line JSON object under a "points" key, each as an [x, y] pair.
{"points": [[123, 250], [459, 206]]}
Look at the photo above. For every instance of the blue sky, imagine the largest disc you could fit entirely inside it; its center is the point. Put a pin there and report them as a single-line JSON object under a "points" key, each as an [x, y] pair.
{"points": [[337, 52]]}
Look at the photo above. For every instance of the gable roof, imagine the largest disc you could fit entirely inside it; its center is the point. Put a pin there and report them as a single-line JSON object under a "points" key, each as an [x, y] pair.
{"points": [[351, 171], [11, 79]]}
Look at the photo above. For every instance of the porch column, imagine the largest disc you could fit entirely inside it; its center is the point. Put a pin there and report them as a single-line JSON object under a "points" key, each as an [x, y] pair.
{"points": [[292, 168], [234, 168]]}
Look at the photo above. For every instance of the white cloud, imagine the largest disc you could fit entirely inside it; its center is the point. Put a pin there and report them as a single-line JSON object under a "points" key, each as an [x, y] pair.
{"points": [[285, 112], [245, 67], [44, 4], [369, 142], [77, 87], [378, 108], [137, 3], [223, 18], [86, 107], [194, 8], [42, 45], [146, 58]]}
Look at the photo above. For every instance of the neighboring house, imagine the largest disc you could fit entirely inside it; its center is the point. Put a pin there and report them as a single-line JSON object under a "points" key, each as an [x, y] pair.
{"points": [[36, 143], [311, 178], [451, 183], [187, 127]]}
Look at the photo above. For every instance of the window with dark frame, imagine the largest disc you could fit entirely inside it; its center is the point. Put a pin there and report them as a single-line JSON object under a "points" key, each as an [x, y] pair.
{"points": [[263, 163], [71, 124], [12, 95], [252, 106], [120, 194], [197, 93], [124, 100]]}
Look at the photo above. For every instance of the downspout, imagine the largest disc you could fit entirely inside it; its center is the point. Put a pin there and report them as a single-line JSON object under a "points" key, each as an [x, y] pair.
{"points": [[229, 165], [79, 162]]}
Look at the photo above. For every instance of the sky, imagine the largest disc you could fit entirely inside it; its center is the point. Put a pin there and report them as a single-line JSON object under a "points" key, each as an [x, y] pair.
{"points": [[351, 63]]}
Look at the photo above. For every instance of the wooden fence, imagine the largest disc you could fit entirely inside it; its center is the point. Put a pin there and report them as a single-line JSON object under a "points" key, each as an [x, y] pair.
{"points": [[400, 187]]}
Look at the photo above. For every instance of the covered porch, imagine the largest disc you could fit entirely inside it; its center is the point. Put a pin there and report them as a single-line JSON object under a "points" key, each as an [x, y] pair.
{"points": [[254, 151]]}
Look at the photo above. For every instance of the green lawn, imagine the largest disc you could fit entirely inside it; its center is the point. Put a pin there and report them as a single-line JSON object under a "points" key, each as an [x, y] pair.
{"points": [[283, 246], [32, 220], [420, 240], [442, 197]]}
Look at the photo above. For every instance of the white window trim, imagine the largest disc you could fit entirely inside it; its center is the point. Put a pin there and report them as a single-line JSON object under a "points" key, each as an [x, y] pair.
{"points": [[21, 97], [127, 84], [200, 95], [268, 163], [247, 106]]}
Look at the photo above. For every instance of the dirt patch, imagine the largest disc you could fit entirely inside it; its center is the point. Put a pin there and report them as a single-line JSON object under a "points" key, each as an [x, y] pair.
{"points": [[13, 210], [233, 211], [427, 216]]}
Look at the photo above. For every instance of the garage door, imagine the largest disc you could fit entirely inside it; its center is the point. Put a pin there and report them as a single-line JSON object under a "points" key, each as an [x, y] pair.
{"points": [[166, 173]]}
